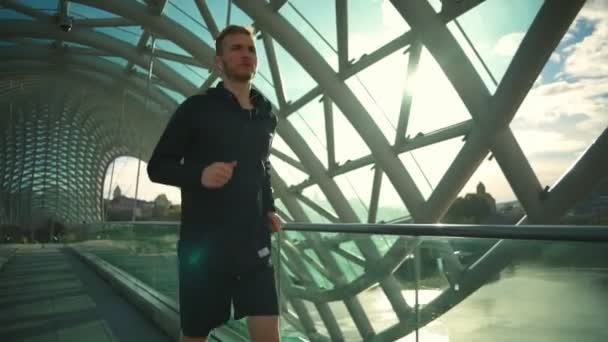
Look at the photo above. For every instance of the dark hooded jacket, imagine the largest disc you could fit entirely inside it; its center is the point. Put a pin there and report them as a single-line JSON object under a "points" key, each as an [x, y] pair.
{"points": [[209, 128]]}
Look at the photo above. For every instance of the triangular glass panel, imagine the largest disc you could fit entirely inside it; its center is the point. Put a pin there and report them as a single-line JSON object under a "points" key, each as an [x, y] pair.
{"points": [[348, 142], [178, 97], [309, 123], [289, 174], [84, 11], [317, 196], [382, 102], [302, 14], [121, 33], [285, 214], [6, 13], [498, 43], [40, 4], [427, 165], [187, 15], [219, 11], [280, 145], [390, 205], [300, 82], [357, 188], [435, 103], [194, 74], [170, 46], [238, 17], [371, 25]]}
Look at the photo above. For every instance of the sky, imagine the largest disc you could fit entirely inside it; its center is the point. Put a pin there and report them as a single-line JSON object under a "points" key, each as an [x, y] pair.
{"points": [[564, 112]]}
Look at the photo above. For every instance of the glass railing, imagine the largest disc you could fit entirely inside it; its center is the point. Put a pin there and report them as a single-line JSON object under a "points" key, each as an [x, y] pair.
{"points": [[444, 283], [405, 282]]}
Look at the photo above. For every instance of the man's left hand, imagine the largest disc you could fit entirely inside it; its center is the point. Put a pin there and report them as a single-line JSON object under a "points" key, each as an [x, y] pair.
{"points": [[275, 222]]}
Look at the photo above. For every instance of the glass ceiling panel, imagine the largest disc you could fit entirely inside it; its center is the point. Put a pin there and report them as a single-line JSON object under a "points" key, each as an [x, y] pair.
{"points": [[10, 14], [130, 36], [299, 81], [90, 12], [390, 206], [348, 142], [383, 100], [323, 21], [263, 63], [40, 40], [116, 60], [76, 45], [372, 25], [170, 46], [219, 10], [357, 188], [280, 145], [188, 15], [278, 203], [313, 136], [193, 74], [497, 43], [435, 103], [315, 194], [179, 98], [40, 4], [238, 17], [288, 173], [431, 163]]}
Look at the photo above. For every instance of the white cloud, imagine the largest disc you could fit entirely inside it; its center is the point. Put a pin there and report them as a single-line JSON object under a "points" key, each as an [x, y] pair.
{"points": [[555, 57], [588, 58], [507, 45], [559, 120], [594, 10]]}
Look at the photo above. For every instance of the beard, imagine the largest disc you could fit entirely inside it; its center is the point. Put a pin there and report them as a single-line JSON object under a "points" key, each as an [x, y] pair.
{"points": [[235, 75]]}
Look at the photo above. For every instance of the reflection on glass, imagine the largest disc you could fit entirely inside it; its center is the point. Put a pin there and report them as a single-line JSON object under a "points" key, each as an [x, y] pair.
{"points": [[465, 289]]}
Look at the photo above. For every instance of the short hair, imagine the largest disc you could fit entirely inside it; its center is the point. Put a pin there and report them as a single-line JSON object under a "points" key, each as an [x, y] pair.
{"points": [[230, 29]]}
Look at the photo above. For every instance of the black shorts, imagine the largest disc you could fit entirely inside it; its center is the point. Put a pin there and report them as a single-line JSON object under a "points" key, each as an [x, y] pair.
{"points": [[207, 291]]}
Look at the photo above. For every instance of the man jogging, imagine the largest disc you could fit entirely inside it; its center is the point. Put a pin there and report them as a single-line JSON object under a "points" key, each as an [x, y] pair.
{"points": [[216, 148]]}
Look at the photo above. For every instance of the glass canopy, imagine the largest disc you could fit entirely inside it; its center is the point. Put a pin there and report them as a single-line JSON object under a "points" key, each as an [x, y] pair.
{"points": [[388, 108]]}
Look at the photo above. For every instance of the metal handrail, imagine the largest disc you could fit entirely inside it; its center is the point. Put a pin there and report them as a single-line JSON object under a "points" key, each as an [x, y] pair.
{"points": [[520, 232]]}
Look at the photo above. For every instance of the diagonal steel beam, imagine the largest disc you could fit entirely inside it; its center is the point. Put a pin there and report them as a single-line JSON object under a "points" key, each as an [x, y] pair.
{"points": [[549, 25], [343, 97], [207, 17], [342, 31]]}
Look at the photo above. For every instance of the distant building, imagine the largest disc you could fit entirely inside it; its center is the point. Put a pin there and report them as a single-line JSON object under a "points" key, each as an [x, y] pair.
{"points": [[126, 203], [120, 208]]}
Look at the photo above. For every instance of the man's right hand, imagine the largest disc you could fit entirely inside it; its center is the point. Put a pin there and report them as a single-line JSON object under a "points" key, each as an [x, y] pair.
{"points": [[217, 174]]}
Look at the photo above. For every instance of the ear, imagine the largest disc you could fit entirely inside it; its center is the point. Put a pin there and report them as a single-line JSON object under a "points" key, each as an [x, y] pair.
{"points": [[218, 64]]}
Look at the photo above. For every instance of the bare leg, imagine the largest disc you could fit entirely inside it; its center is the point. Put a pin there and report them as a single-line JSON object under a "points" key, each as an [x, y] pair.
{"points": [[263, 328], [192, 339]]}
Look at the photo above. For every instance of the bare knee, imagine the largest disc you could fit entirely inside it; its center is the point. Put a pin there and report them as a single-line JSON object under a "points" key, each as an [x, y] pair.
{"points": [[264, 328], [192, 339]]}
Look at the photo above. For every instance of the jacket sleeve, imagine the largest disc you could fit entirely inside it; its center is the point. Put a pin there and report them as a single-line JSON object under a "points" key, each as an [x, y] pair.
{"points": [[268, 200], [267, 191], [166, 164]]}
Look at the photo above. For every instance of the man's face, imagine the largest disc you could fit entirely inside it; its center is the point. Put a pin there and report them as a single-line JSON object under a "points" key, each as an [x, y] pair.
{"points": [[238, 61]]}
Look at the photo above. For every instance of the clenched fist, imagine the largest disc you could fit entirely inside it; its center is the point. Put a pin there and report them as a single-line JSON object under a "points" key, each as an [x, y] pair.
{"points": [[217, 174]]}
